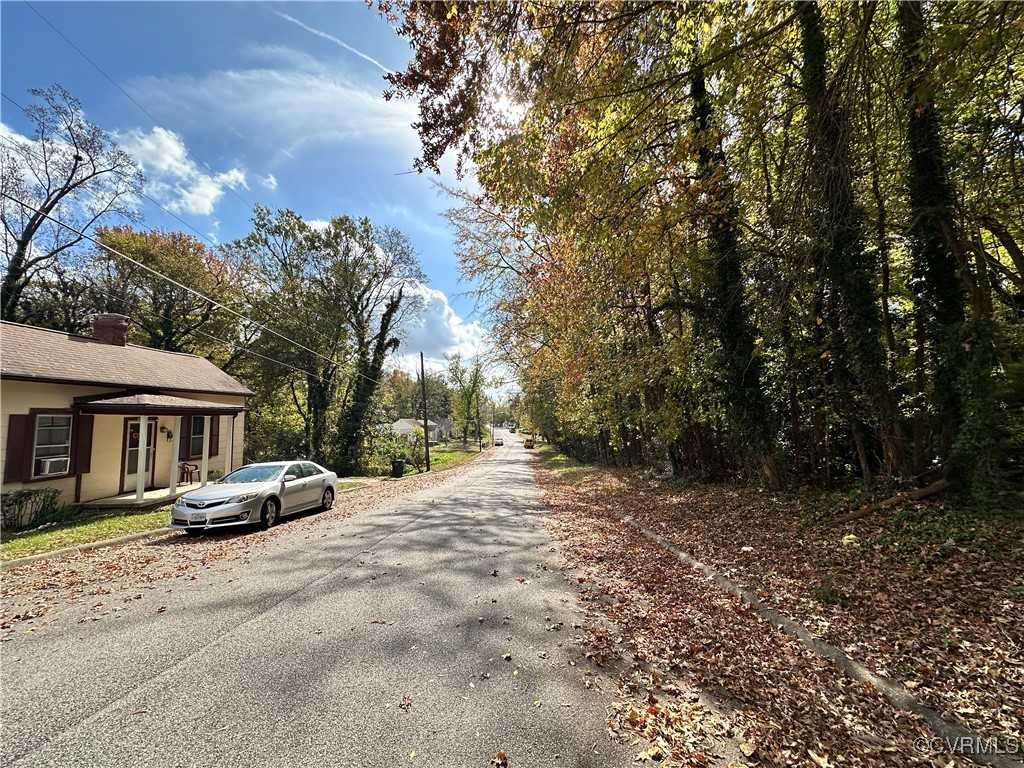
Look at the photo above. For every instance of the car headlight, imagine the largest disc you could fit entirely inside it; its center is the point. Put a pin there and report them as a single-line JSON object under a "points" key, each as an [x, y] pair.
{"points": [[242, 497]]}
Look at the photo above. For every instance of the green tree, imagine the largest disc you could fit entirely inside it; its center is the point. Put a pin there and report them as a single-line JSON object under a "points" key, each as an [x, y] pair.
{"points": [[466, 382], [330, 302]]}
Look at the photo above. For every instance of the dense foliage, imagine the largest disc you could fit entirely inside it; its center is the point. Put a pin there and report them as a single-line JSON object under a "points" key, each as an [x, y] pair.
{"points": [[775, 238]]}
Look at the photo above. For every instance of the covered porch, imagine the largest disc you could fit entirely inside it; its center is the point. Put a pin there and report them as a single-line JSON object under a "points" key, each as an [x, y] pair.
{"points": [[145, 481], [154, 497]]}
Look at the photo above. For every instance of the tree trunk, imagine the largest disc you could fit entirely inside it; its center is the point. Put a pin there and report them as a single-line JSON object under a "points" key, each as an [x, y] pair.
{"points": [[368, 371], [962, 356], [740, 365], [856, 357]]}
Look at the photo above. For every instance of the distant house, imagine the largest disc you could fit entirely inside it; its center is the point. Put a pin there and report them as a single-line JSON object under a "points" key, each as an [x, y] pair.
{"points": [[73, 407], [407, 428]]}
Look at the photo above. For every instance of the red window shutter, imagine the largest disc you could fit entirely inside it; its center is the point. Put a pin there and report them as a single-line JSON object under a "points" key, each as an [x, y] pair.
{"points": [[20, 438], [214, 435], [184, 439], [81, 452]]}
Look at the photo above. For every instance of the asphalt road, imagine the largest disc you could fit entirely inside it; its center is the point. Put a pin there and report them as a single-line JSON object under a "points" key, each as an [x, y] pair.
{"points": [[378, 640]]}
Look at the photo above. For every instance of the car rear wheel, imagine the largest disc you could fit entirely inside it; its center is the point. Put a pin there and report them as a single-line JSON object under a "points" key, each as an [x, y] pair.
{"points": [[268, 517], [328, 500]]}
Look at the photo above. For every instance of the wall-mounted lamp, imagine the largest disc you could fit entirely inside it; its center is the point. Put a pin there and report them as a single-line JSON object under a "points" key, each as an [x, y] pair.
{"points": [[169, 433]]}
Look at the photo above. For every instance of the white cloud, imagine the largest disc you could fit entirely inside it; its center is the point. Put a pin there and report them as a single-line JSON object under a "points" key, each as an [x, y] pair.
{"points": [[269, 181], [173, 178], [294, 103], [233, 178], [439, 331]]}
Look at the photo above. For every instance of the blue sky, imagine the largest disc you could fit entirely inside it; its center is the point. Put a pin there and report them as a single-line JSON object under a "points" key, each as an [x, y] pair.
{"points": [[242, 103]]}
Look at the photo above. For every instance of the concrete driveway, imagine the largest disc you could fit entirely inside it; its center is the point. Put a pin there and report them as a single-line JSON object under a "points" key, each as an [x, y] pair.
{"points": [[434, 629]]}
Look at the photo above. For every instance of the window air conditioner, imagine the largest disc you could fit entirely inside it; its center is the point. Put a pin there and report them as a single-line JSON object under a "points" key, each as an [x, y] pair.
{"points": [[54, 466]]}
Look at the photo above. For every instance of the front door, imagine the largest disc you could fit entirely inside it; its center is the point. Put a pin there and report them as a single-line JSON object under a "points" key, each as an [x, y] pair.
{"points": [[295, 493], [131, 453]]}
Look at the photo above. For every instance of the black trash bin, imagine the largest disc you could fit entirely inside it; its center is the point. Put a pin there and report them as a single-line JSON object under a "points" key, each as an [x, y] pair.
{"points": [[397, 467]]}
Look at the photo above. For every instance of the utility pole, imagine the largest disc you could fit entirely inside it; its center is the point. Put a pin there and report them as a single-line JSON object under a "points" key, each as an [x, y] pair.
{"points": [[479, 426], [426, 430]]}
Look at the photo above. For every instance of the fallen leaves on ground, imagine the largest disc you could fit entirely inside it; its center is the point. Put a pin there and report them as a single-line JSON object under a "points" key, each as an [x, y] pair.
{"points": [[944, 626], [36, 593]]}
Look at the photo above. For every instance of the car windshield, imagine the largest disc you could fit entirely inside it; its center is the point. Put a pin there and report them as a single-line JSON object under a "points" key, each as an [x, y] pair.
{"points": [[254, 474]]}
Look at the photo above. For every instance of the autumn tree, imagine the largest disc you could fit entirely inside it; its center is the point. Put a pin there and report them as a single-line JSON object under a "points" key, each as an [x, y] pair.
{"points": [[372, 293], [184, 313], [303, 337], [466, 381], [727, 234]]}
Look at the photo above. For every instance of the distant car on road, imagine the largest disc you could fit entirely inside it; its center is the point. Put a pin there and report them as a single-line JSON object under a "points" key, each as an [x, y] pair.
{"points": [[528, 442], [499, 441], [256, 493]]}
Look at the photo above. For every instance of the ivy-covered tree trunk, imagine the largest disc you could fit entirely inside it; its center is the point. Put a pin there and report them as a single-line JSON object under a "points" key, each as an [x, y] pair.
{"points": [[960, 353], [854, 348], [726, 305], [319, 395], [369, 364]]}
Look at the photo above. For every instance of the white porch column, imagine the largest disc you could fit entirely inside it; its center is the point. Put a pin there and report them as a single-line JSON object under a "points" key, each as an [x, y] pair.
{"points": [[205, 469], [231, 445], [175, 447], [142, 473]]}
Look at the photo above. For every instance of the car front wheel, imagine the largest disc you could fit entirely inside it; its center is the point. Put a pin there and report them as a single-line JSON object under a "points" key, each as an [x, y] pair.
{"points": [[269, 514], [328, 500]]}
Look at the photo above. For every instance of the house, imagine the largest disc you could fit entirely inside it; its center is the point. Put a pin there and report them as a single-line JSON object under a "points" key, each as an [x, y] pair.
{"points": [[72, 409], [408, 428]]}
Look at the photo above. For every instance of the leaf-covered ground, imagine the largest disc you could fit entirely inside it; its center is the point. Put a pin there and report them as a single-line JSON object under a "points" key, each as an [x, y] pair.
{"points": [[927, 597], [81, 586]]}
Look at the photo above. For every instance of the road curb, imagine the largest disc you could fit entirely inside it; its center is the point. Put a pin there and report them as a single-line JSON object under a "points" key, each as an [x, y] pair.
{"points": [[8, 564], [891, 689]]}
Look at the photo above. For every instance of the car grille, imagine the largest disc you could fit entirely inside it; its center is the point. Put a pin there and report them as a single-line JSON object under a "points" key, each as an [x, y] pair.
{"points": [[207, 505], [203, 523]]}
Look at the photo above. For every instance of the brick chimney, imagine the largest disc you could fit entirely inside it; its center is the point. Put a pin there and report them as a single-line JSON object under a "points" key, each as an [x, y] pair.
{"points": [[110, 328]]}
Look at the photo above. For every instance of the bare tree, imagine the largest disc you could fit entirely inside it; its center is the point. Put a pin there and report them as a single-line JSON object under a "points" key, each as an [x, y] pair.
{"points": [[70, 171]]}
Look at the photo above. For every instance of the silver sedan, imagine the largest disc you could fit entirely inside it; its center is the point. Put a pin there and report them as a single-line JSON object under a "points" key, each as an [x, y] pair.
{"points": [[256, 493]]}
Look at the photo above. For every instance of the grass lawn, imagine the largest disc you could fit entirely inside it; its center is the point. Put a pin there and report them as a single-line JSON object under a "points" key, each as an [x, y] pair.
{"points": [[82, 530], [348, 485], [444, 456]]}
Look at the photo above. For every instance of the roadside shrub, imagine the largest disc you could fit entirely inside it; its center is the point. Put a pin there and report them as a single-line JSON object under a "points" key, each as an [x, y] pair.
{"points": [[381, 447], [24, 507]]}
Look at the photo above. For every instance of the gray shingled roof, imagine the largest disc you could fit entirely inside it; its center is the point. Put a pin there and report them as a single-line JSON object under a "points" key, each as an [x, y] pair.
{"points": [[39, 354]]}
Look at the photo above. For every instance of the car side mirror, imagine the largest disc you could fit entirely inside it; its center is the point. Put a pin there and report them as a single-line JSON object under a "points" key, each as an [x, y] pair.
{"points": [[289, 478]]}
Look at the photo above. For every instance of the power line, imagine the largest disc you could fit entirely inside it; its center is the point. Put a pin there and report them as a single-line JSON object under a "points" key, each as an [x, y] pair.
{"points": [[26, 148], [133, 101]]}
